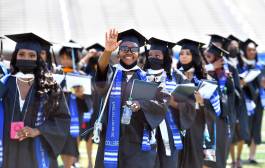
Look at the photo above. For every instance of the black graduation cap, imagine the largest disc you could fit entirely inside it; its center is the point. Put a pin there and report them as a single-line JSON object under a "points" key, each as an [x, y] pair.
{"points": [[157, 44], [234, 38], [96, 46], [219, 39], [248, 41], [133, 36], [190, 44], [217, 51], [28, 41]]}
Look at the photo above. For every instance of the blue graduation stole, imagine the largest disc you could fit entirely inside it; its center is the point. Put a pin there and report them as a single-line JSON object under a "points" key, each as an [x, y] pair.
{"points": [[42, 156], [170, 86], [250, 105], [3, 80], [74, 127], [111, 149], [146, 146], [113, 127], [214, 99], [262, 97], [87, 115], [146, 140], [2, 66]]}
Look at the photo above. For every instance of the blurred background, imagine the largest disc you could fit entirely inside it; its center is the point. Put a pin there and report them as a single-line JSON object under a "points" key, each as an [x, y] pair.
{"points": [[85, 21]]}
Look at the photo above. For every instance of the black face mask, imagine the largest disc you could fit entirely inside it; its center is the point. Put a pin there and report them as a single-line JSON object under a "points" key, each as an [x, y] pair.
{"points": [[128, 66], [26, 66], [233, 52], [187, 66], [155, 63], [93, 60]]}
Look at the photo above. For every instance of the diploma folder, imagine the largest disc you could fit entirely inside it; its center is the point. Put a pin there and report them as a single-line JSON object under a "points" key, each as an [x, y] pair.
{"points": [[142, 90], [184, 90], [73, 80]]}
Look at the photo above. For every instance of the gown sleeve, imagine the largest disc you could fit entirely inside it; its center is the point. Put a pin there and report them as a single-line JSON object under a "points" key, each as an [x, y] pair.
{"points": [[2, 89], [184, 114], [103, 80], [154, 112], [56, 127]]}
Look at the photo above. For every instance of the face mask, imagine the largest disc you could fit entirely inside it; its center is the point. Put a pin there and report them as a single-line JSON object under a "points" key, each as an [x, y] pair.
{"points": [[233, 52], [93, 60], [128, 66], [186, 67], [26, 66], [155, 63]]}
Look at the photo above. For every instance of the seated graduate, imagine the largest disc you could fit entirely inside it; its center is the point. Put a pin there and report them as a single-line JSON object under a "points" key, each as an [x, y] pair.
{"points": [[126, 139], [179, 113], [35, 119]]}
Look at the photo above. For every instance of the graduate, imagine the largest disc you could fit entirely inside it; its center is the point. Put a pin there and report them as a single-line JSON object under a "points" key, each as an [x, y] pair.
{"points": [[34, 117], [190, 65], [46, 56], [222, 124], [125, 127], [253, 95], [89, 65], [89, 62], [239, 128], [179, 114], [69, 56]]}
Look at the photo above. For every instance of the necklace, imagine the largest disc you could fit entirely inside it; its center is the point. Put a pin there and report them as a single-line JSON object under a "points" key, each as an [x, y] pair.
{"points": [[26, 81]]}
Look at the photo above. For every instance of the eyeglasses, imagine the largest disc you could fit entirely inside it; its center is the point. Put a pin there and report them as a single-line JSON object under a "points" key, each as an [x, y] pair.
{"points": [[127, 49]]}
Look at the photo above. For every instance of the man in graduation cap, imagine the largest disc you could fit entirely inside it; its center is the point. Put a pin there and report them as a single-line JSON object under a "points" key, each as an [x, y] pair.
{"points": [[34, 119], [126, 137], [180, 113], [221, 127]]}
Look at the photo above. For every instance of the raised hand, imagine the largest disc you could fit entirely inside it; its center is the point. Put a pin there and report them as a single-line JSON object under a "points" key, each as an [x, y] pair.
{"points": [[111, 40]]}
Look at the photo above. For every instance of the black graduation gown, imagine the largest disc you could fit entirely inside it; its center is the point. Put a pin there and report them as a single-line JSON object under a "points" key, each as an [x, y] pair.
{"points": [[222, 124], [251, 89], [239, 120], [151, 114], [183, 117], [71, 145], [53, 131], [192, 154]]}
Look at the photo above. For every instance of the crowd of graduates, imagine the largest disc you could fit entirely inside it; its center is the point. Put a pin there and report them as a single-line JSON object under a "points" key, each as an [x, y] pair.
{"points": [[46, 109]]}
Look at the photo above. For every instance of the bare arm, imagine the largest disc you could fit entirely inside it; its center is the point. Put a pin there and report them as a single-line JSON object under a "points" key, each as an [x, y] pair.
{"points": [[111, 44]]}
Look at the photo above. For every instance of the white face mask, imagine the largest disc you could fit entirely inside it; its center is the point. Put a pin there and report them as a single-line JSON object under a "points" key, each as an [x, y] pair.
{"points": [[24, 76]]}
